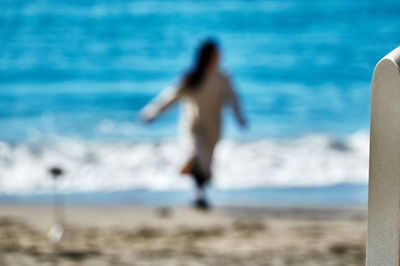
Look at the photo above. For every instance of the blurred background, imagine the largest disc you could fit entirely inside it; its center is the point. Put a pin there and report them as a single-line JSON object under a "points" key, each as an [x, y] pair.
{"points": [[74, 75]]}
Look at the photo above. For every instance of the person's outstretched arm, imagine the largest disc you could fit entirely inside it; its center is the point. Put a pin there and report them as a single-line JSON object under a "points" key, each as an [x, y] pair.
{"points": [[234, 101], [159, 104]]}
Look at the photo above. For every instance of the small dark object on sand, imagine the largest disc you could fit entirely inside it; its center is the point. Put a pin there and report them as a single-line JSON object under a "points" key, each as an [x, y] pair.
{"points": [[339, 249], [77, 255], [164, 212], [56, 172]]}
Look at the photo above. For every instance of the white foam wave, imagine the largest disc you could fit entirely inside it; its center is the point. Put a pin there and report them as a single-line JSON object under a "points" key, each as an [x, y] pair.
{"points": [[316, 160]]}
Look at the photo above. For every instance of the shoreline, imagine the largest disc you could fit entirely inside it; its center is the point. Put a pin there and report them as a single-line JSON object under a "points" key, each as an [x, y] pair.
{"points": [[329, 196]]}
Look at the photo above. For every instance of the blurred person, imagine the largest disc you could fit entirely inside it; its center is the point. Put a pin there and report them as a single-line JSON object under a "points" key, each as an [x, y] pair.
{"points": [[204, 89]]}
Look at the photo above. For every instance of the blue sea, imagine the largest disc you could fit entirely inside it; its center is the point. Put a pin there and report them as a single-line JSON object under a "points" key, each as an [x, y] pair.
{"points": [[75, 74]]}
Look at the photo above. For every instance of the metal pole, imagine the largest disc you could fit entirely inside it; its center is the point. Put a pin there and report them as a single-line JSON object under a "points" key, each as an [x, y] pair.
{"points": [[56, 232]]}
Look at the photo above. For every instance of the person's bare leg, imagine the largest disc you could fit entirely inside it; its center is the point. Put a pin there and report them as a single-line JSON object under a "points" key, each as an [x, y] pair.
{"points": [[200, 182], [200, 193]]}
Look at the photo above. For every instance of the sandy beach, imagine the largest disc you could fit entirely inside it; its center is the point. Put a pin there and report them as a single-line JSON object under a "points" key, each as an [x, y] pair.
{"points": [[139, 235]]}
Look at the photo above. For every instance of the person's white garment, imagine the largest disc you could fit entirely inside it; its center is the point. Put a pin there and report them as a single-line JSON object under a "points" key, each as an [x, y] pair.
{"points": [[201, 114]]}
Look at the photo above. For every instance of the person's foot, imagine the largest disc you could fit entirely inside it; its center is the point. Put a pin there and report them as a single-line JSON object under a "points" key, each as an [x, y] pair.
{"points": [[201, 204]]}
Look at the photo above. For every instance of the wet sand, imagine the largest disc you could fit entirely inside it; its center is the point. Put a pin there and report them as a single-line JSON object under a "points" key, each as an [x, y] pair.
{"points": [[138, 235]]}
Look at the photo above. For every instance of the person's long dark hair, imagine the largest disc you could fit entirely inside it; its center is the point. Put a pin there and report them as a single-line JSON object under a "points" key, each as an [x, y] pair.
{"points": [[194, 77]]}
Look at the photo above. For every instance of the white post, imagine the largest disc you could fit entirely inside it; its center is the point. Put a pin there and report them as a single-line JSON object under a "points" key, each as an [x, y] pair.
{"points": [[384, 166]]}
